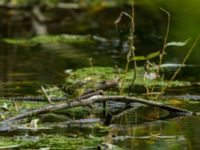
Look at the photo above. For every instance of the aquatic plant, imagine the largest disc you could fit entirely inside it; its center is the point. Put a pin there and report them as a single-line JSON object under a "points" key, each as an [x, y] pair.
{"points": [[152, 70], [51, 39]]}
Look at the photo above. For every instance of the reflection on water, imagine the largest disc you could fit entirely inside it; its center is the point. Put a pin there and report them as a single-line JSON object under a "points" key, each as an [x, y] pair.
{"points": [[149, 128], [170, 134], [22, 66]]}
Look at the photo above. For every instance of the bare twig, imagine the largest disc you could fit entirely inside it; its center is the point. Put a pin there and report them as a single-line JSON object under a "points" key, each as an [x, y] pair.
{"points": [[162, 51], [104, 86], [46, 95]]}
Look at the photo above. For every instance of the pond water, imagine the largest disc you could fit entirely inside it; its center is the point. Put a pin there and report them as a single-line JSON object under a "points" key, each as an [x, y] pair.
{"points": [[23, 69]]}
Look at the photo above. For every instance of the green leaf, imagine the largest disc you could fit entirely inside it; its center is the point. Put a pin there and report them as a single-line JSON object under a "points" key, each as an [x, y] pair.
{"points": [[138, 58], [153, 55], [174, 43]]}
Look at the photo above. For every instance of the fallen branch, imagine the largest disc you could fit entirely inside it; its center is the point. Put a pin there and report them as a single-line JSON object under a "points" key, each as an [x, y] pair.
{"points": [[94, 99], [104, 86], [147, 102]]}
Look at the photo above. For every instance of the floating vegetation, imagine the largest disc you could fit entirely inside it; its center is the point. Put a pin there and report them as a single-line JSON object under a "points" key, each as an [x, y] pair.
{"points": [[50, 142], [90, 77], [49, 39]]}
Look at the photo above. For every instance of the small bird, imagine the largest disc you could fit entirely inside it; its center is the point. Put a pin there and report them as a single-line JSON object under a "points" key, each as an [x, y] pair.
{"points": [[149, 74]]}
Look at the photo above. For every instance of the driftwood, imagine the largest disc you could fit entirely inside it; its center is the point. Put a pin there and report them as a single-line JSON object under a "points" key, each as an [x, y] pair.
{"points": [[98, 98]]}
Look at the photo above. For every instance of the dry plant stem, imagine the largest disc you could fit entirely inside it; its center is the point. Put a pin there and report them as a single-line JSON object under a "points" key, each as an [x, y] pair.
{"points": [[14, 104], [94, 99], [185, 59], [162, 51], [183, 62], [131, 46], [131, 53]]}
